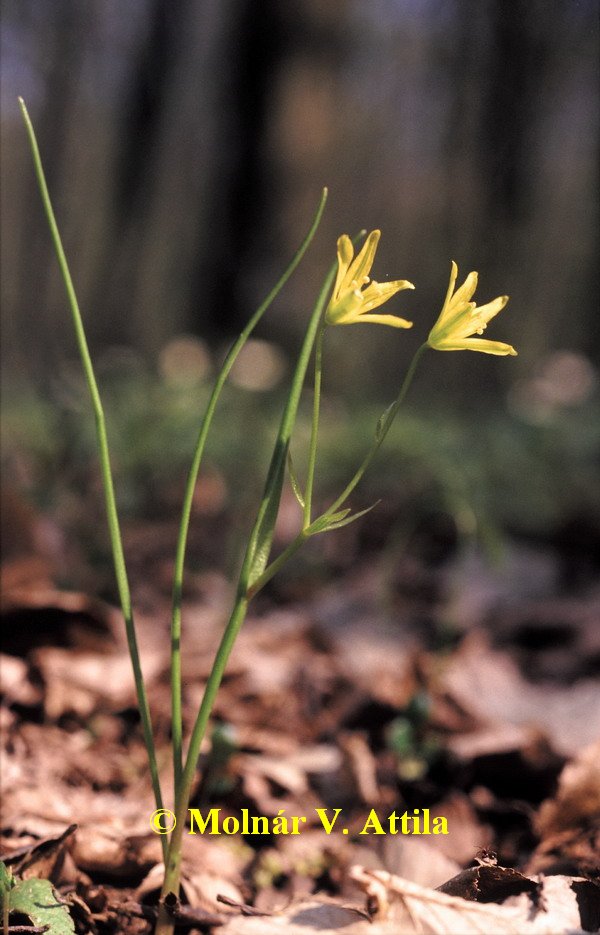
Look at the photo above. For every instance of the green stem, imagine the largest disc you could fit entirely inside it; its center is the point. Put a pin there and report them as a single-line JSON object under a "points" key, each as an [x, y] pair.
{"points": [[176, 713], [305, 533], [5, 910], [288, 420], [244, 590], [173, 860], [314, 432], [102, 442], [384, 428], [272, 569]]}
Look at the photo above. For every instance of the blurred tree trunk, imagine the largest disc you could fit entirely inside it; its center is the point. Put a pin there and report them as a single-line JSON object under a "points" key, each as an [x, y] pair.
{"points": [[185, 144], [241, 199], [140, 125], [229, 192], [517, 72], [59, 60]]}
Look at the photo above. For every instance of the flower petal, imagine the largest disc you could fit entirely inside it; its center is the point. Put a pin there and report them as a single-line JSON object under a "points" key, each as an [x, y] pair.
{"points": [[447, 306], [477, 344], [486, 312], [392, 320], [451, 285], [345, 252], [364, 261], [463, 293], [379, 292]]}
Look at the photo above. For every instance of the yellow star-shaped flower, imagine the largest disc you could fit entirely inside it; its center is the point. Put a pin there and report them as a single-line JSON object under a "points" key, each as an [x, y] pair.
{"points": [[460, 319], [355, 294]]}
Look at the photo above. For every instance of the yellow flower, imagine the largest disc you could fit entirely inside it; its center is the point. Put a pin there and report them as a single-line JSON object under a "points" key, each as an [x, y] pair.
{"points": [[355, 294], [460, 319]]}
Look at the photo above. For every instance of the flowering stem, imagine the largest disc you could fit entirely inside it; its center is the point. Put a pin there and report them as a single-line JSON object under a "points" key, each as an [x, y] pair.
{"points": [[176, 715], [104, 455], [173, 859], [278, 563], [272, 569], [314, 432], [383, 429], [244, 593]]}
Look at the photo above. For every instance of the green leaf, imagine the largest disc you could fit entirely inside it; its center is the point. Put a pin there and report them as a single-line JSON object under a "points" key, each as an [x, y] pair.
{"points": [[351, 519], [294, 480], [337, 520], [263, 534], [7, 881], [323, 523], [382, 422], [37, 899]]}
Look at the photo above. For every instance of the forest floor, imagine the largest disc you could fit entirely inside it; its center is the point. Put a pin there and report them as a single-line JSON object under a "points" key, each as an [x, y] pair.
{"points": [[427, 683]]}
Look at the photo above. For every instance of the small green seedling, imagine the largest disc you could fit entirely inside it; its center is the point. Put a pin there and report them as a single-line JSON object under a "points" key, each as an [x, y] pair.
{"points": [[412, 739]]}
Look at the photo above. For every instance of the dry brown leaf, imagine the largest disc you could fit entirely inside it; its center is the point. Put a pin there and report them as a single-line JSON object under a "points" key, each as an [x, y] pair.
{"points": [[492, 739], [363, 766], [369, 647], [417, 860], [42, 859], [415, 910], [311, 915], [569, 823], [578, 797], [490, 684], [488, 882], [114, 854], [40, 614], [82, 683], [408, 908], [16, 686]]}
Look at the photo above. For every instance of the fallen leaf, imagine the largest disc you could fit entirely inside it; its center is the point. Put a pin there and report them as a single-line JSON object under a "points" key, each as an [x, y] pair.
{"points": [[569, 822], [488, 884], [490, 684], [577, 799], [43, 859], [83, 683], [314, 915], [407, 908]]}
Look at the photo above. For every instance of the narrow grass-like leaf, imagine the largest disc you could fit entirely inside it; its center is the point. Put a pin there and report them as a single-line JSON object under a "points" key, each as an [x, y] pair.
{"points": [[346, 520], [176, 714], [257, 555], [260, 533], [322, 523], [263, 533], [314, 431], [104, 457], [382, 423], [294, 480]]}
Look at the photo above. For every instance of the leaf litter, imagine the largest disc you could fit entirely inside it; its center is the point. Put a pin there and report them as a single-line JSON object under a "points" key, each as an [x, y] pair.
{"points": [[338, 700]]}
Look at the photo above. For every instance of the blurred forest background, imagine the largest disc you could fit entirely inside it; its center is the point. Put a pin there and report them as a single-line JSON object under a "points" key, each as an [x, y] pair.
{"points": [[186, 143]]}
